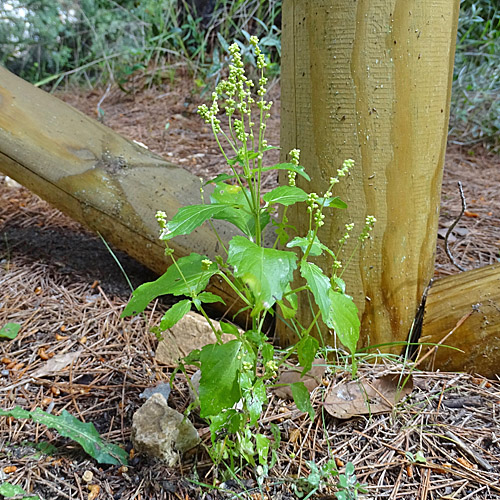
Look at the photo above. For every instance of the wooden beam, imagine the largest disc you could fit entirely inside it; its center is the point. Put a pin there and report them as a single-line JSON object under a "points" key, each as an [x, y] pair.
{"points": [[473, 296], [97, 177]]}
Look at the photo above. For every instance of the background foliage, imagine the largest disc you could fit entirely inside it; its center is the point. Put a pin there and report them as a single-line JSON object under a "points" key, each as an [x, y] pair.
{"points": [[94, 41]]}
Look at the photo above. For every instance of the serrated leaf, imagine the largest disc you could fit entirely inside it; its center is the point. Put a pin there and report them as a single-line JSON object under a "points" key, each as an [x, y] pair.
{"points": [[9, 331], [303, 243], [69, 426], [333, 202], [189, 218], [285, 195], [171, 282], [175, 314], [344, 320], [219, 385], [8, 490], [307, 347], [266, 271], [319, 285], [301, 397]]}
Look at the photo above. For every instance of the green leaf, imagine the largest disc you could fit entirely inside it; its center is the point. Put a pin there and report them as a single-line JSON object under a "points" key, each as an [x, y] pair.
{"points": [[319, 285], [83, 433], [285, 195], [209, 298], [333, 202], [220, 178], [9, 331], [230, 194], [256, 400], [343, 318], [171, 282], [340, 283], [301, 397], [189, 218], [287, 166], [175, 314], [262, 444], [303, 243], [219, 369], [266, 271], [8, 490], [229, 328], [287, 312], [307, 348]]}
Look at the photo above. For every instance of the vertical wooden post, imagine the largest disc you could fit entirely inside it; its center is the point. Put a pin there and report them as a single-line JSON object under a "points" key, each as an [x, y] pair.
{"points": [[371, 80]]}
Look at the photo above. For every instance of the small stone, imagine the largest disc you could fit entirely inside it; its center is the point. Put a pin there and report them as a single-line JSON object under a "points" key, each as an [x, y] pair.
{"points": [[162, 432]]}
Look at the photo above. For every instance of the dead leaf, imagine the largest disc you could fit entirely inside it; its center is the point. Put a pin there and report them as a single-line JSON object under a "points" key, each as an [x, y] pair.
{"points": [[366, 397], [56, 364], [471, 214], [291, 374]]}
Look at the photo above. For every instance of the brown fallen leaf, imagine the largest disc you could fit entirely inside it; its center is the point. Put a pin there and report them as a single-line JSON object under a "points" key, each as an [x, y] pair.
{"points": [[366, 397], [291, 374], [56, 364]]}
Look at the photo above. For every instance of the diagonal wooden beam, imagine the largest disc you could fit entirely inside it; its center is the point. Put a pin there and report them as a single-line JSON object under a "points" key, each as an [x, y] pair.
{"points": [[450, 300], [96, 176]]}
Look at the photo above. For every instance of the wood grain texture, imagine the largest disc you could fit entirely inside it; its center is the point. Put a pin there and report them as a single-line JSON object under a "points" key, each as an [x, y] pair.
{"points": [[97, 177], [478, 338], [371, 80]]}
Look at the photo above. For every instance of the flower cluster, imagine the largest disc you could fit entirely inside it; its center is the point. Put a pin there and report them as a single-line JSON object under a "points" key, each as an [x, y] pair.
{"points": [[342, 172], [369, 223], [348, 228]]}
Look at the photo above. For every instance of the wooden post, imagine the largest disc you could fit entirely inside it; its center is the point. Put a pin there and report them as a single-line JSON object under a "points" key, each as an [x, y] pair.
{"points": [[371, 80]]}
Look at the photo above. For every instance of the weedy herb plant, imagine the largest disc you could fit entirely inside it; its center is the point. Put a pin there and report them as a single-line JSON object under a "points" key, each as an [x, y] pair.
{"points": [[236, 375]]}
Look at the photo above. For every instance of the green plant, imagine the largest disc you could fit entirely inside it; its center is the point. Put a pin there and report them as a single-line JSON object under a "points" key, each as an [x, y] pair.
{"points": [[475, 109], [8, 490], [69, 426], [347, 485], [236, 376]]}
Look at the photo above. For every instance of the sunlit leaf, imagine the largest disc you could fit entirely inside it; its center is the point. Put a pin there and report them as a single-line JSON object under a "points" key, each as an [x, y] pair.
{"points": [[189, 218], [344, 320], [175, 314], [194, 278], [9, 331], [219, 387], [266, 271], [285, 195], [319, 285]]}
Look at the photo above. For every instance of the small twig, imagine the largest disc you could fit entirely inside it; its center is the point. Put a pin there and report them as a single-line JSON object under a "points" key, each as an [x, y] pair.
{"points": [[483, 463], [452, 226]]}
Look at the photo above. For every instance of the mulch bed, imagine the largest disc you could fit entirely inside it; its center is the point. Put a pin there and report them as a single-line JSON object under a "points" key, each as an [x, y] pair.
{"points": [[60, 283]]}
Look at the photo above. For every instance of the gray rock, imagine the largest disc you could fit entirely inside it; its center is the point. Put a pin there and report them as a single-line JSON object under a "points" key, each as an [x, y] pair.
{"points": [[162, 432]]}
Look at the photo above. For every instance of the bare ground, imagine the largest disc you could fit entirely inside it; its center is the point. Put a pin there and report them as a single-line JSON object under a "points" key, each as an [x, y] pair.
{"points": [[61, 284]]}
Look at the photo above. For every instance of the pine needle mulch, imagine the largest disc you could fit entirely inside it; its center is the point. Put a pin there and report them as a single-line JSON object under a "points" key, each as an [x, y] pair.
{"points": [[442, 441]]}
